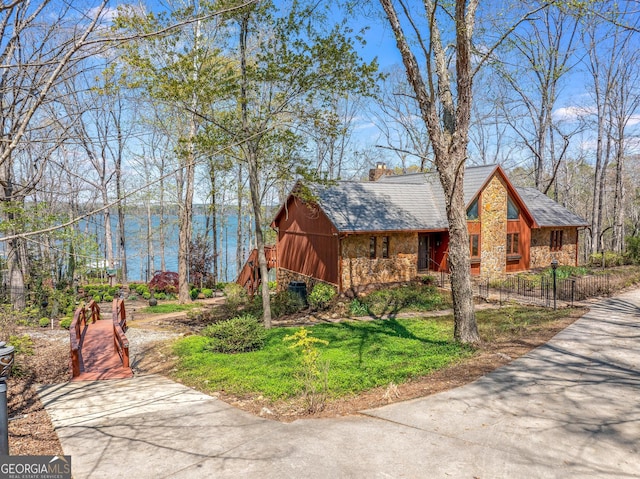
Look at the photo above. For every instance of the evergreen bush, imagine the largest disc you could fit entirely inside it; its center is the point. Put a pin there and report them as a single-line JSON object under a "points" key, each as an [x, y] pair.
{"points": [[321, 296], [240, 334]]}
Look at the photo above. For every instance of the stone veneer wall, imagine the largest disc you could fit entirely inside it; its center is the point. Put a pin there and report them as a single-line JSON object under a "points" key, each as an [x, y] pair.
{"points": [[285, 276], [359, 270], [493, 236], [541, 254]]}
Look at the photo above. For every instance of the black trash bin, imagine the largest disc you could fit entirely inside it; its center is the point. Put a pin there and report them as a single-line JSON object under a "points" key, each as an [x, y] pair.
{"points": [[299, 288]]}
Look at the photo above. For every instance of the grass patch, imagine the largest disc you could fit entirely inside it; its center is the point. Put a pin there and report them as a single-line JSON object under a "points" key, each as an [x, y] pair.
{"points": [[361, 355], [169, 308], [514, 321]]}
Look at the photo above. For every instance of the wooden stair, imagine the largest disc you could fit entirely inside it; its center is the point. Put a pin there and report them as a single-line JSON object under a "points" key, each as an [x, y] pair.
{"points": [[249, 277]]}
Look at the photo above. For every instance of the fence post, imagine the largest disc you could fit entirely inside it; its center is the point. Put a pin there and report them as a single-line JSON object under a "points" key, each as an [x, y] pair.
{"points": [[573, 289]]}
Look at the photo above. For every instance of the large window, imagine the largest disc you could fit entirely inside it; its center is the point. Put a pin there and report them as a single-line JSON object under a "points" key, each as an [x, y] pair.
{"points": [[512, 210], [512, 244], [474, 245], [555, 243], [372, 247], [385, 246]]}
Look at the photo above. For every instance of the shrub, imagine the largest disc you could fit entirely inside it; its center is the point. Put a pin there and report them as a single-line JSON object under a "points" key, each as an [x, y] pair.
{"points": [[285, 302], [236, 296], [107, 298], [358, 308], [65, 323], [240, 334], [321, 296], [146, 295], [44, 322], [141, 289], [633, 249], [133, 297], [165, 281], [160, 295], [273, 285], [22, 344], [194, 293], [207, 292]]}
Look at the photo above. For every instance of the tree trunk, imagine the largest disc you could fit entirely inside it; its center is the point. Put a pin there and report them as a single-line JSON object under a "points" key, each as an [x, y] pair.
{"points": [[448, 128], [254, 186]]}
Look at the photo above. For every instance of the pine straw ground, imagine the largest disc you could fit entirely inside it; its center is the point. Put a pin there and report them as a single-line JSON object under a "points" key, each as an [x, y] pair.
{"points": [[31, 430]]}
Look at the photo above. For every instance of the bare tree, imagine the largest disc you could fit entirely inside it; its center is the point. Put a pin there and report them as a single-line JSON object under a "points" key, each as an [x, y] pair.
{"points": [[444, 95], [37, 50], [537, 61]]}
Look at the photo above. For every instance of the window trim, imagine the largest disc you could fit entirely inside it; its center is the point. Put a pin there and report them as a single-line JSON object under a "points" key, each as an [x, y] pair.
{"points": [[373, 250]]}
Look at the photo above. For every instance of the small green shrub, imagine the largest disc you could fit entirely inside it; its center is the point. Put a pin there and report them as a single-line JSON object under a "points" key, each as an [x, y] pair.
{"points": [[358, 308], [141, 289], [107, 298], [146, 295], [194, 293], [44, 322], [273, 285], [133, 297], [161, 295], [22, 344], [321, 296], [65, 323], [285, 302], [240, 334], [97, 298], [207, 292]]}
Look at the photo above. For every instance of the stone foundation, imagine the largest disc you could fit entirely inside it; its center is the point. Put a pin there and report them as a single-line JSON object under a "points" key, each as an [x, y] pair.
{"points": [[285, 276]]}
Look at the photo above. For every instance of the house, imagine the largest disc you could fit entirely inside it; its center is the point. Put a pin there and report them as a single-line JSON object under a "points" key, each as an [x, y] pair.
{"points": [[391, 230]]}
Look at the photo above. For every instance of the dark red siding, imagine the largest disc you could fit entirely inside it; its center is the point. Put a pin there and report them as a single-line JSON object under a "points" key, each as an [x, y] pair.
{"points": [[307, 241]]}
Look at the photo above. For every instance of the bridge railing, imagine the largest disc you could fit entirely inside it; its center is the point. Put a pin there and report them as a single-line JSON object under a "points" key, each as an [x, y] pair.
{"points": [[120, 341], [81, 319]]}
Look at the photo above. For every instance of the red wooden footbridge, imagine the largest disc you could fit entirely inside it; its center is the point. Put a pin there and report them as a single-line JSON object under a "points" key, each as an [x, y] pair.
{"points": [[99, 347]]}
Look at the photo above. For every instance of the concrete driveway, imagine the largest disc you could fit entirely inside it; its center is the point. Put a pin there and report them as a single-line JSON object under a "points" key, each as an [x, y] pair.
{"points": [[570, 408]]}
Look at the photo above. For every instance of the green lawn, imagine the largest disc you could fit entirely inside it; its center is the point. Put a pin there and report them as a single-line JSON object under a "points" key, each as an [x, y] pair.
{"points": [[361, 355], [166, 308]]}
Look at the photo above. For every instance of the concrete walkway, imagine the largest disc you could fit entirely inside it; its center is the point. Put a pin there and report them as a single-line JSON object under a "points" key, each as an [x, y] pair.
{"points": [[568, 409]]}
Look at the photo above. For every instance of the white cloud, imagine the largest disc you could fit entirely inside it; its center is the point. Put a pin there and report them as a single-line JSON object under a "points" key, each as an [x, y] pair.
{"points": [[572, 113]]}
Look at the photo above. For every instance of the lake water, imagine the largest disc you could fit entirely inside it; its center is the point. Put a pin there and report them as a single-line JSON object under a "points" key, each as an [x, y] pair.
{"points": [[138, 260]]}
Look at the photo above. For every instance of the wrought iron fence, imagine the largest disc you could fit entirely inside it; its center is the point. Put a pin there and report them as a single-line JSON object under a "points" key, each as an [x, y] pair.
{"points": [[540, 291]]}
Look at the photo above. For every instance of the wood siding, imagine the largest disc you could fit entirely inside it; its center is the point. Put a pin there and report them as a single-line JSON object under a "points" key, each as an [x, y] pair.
{"points": [[308, 242]]}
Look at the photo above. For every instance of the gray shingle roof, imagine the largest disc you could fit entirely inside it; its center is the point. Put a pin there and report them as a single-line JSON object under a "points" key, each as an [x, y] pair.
{"points": [[375, 206], [474, 178], [547, 212], [416, 202]]}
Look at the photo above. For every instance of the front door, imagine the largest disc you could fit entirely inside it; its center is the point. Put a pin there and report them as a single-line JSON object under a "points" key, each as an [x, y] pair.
{"points": [[424, 252]]}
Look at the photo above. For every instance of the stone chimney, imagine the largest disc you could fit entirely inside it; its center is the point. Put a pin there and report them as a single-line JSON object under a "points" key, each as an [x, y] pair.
{"points": [[379, 171]]}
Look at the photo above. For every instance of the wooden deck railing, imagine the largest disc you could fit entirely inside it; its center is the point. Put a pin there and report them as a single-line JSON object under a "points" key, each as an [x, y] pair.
{"points": [[249, 277], [81, 319], [120, 341]]}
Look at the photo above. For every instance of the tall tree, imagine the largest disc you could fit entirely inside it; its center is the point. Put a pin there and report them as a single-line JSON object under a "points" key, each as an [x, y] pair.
{"points": [[444, 96], [36, 52], [291, 66]]}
